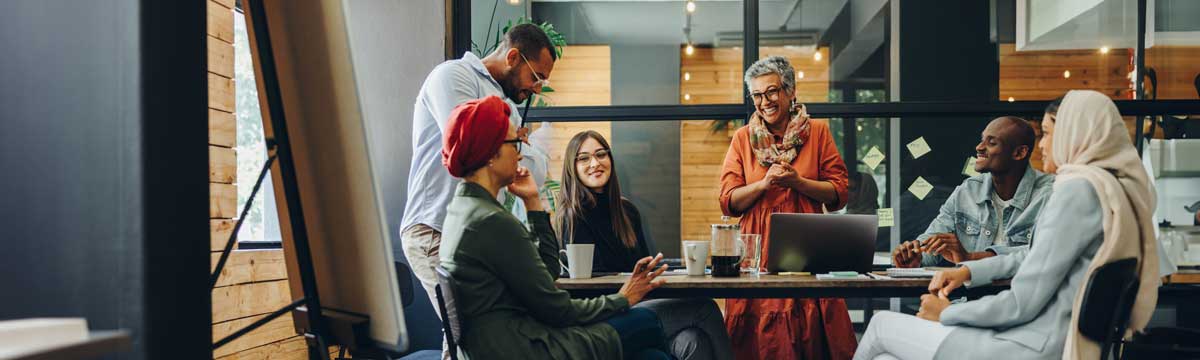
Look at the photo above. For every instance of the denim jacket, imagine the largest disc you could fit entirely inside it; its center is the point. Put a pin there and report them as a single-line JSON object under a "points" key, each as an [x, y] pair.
{"points": [[969, 214]]}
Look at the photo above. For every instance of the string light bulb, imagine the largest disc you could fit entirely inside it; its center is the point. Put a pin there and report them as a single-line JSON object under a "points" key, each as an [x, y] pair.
{"points": [[1010, 99], [691, 7], [687, 97], [1104, 49], [687, 76], [799, 74], [1066, 74], [817, 56], [689, 50]]}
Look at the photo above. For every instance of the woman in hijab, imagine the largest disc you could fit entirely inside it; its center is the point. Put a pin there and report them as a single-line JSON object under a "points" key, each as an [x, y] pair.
{"points": [[783, 162], [505, 293], [1100, 212]]}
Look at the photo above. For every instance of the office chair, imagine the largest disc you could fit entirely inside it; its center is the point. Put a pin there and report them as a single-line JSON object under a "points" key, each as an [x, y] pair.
{"points": [[447, 305], [1107, 303]]}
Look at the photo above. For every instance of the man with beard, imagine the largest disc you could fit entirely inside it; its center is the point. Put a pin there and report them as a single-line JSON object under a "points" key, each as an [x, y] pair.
{"points": [[516, 70], [989, 214]]}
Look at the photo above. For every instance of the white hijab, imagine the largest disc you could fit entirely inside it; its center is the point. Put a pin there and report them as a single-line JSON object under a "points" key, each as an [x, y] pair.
{"points": [[1092, 143]]}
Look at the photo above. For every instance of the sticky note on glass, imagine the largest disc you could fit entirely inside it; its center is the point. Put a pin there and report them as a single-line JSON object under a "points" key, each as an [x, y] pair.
{"points": [[920, 188], [885, 217], [969, 167], [918, 147], [873, 158]]}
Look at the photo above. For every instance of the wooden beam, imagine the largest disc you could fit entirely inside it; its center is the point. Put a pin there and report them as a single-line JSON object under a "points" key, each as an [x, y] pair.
{"points": [[292, 348], [222, 165], [241, 301], [246, 266], [220, 22], [222, 201], [279, 329], [220, 57], [221, 93], [219, 231], [222, 128]]}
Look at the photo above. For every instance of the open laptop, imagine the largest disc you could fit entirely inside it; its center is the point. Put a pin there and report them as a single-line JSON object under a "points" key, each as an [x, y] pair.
{"points": [[820, 243]]}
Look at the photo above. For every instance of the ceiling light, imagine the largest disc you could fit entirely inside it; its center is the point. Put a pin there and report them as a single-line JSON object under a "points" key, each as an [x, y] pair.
{"points": [[1103, 49], [817, 56], [691, 6], [1066, 74], [687, 97], [689, 50], [514, 2], [1010, 99], [799, 74], [687, 76]]}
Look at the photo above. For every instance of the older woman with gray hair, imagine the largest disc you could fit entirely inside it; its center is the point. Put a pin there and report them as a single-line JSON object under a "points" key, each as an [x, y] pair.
{"points": [[783, 162]]}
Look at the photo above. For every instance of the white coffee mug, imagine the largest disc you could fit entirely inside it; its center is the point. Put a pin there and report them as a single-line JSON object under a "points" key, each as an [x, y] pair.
{"points": [[695, 257], [579, 260]]}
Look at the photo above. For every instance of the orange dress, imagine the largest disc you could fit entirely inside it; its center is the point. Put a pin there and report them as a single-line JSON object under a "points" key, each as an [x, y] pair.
{"points": [[786, 328]]}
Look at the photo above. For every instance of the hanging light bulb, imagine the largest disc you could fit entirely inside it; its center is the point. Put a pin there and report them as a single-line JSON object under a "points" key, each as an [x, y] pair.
{"points": [[1103, 49], [514, 2], [1010, 99], [689, 50], [1066, 74], [687, 97], [799, 74], [691, 7], [687, 76], [817, 56]]}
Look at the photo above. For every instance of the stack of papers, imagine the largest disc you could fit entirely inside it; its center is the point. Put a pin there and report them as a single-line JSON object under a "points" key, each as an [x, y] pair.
{"points": [[910, 272], [841, 275]]}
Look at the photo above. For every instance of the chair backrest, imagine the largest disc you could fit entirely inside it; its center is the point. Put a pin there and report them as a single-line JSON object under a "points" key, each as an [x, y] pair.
{"points": [[451, 322], [404, 280], [1108, 300]]}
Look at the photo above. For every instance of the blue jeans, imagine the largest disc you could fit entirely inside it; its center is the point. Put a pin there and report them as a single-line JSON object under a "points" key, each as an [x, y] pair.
{"points": [[641, 334]]}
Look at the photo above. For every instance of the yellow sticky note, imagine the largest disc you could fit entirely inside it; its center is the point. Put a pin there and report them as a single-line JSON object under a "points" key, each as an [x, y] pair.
{"points": [[885, 217], [969, 167], [873, 157], [920, 188], [918, 147]]}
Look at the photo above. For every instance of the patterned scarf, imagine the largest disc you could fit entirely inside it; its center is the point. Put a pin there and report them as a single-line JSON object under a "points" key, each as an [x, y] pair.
{"points": [[766, 151]]}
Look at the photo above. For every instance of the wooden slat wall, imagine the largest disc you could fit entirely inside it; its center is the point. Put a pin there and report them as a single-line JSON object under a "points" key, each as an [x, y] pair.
{"points": [[252, 283], [716, 78]]}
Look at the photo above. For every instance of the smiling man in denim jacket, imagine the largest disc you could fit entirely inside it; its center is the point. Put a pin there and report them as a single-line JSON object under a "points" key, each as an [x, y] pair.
{"points": [[990, 214]]}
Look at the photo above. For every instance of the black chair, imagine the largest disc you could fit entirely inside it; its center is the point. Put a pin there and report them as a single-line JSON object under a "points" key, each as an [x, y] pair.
{"points": [[1107, 303], [451, 324]]}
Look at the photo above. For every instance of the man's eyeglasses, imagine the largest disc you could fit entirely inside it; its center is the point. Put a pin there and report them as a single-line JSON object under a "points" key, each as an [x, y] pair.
{"points": [[537, 80], [584, 158], [771, 95]]}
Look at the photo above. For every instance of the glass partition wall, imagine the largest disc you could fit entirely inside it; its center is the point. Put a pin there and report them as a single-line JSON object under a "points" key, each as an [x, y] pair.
{"points": [[663, 81]]}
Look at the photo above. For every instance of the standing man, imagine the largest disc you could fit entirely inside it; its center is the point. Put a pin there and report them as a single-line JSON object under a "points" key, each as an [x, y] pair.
{"points": [[989, 214], [516, 70]]}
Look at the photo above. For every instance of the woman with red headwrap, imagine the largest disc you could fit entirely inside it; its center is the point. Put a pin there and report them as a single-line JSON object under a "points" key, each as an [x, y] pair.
{"points": [[506, 298]]}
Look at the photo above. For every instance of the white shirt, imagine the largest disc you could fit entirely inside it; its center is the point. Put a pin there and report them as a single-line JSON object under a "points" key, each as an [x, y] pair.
{"points": [[430, 185], [999, 205]]}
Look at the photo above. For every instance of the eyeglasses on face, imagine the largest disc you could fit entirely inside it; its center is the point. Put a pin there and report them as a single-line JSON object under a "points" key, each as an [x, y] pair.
{"points": [[538, 82], [771, 94], [599, 155]]}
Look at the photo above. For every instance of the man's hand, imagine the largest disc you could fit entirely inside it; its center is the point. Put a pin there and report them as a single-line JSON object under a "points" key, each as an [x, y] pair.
{"points": [[946, 281], [907, 255], [946, 245], [932, 306]]}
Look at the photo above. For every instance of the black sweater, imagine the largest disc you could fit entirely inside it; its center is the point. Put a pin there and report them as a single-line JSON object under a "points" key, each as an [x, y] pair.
{"points": [[595, 227]]}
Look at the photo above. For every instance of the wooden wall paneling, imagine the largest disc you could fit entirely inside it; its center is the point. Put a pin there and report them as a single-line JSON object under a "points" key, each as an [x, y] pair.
{"points": [[222, 128], [220, 22], [219, 231], [279, 329], [1176, 68], [583, 76], [222, 165], [291, 348], [220, 93], [226, 3], [222, 201], [1038, 75], [220, 57], [236, 302], [246, 266]]}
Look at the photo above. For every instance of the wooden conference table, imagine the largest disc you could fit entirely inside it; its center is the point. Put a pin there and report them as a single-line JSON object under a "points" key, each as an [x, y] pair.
{"points": [[770, 286]]}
